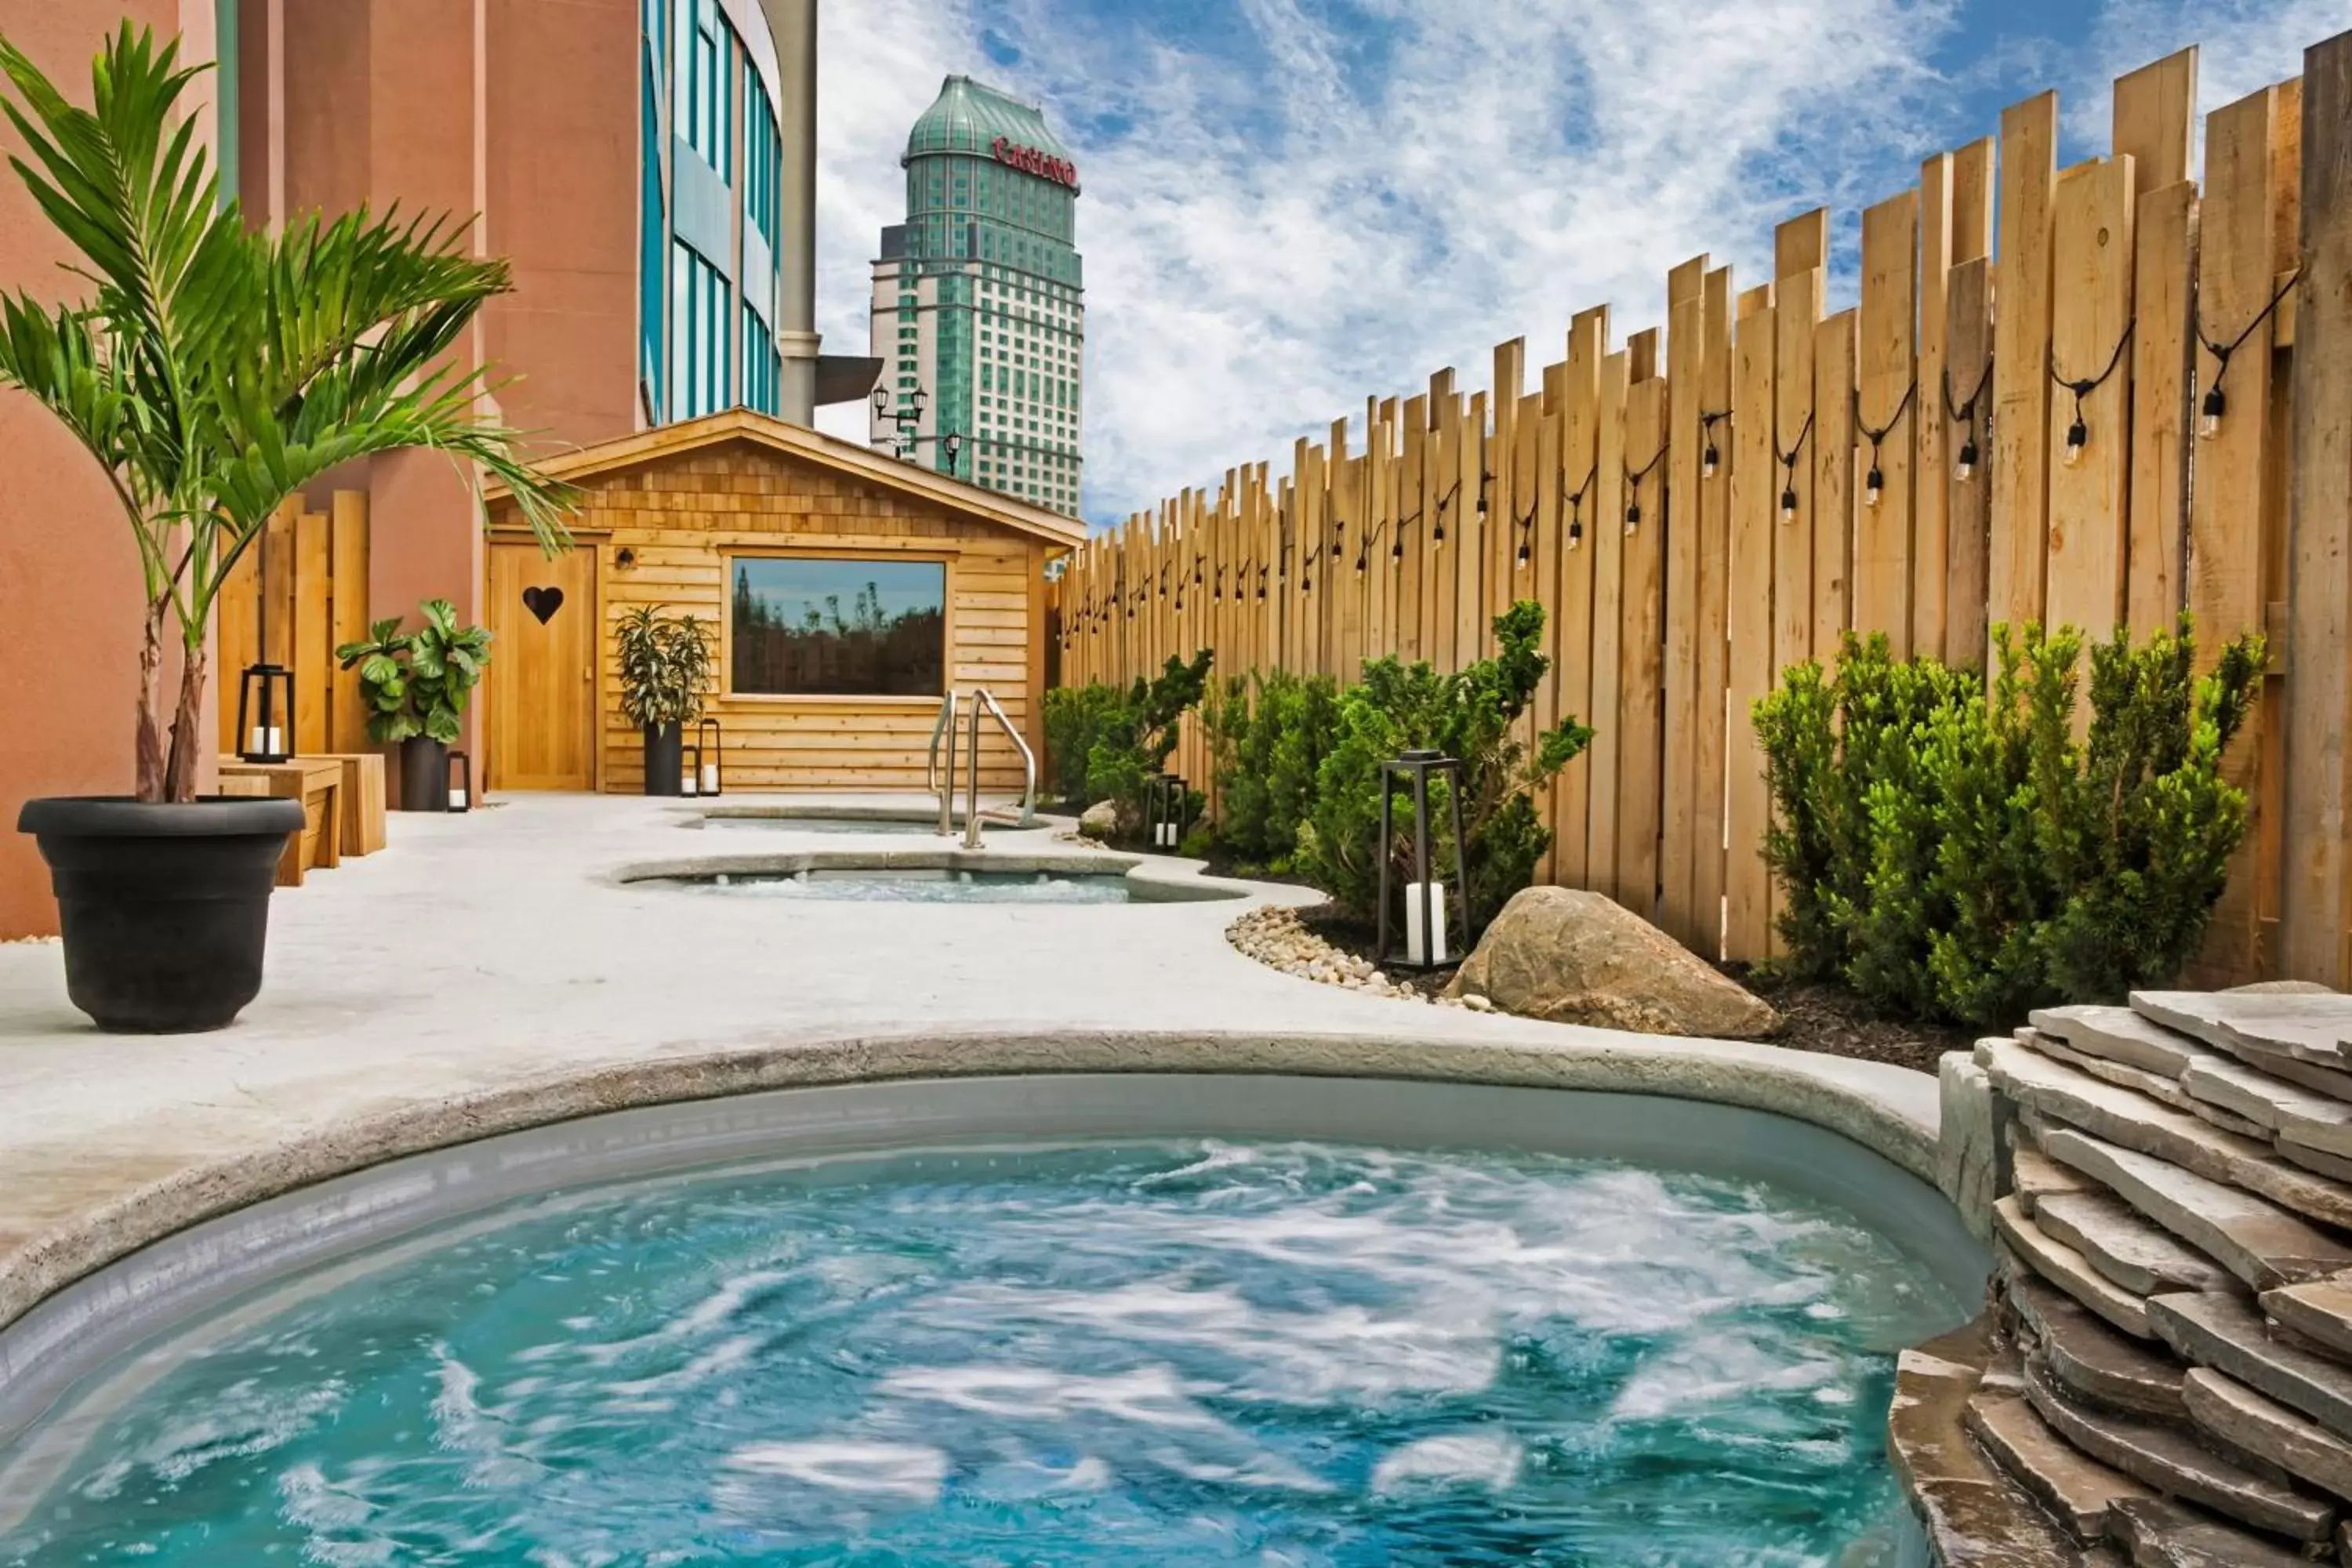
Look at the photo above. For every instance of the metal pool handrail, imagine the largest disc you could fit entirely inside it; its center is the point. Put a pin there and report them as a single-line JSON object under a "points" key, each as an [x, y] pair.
{"points": [[1028, 758], [944, 725]]}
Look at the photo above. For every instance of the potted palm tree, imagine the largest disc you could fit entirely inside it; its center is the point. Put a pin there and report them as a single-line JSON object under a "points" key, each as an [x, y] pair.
{"points": [[415, 684], [664, 666], [212, 370]]}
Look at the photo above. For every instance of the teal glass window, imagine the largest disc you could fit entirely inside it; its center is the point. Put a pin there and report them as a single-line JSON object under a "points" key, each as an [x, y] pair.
{"points": [[699, 317]]}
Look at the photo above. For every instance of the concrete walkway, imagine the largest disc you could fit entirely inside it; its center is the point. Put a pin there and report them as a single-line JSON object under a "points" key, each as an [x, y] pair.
{"points": [[479, 971]]}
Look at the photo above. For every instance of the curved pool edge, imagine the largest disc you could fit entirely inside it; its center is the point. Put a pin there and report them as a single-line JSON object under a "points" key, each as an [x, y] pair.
{"points": [[1889, 1110]]}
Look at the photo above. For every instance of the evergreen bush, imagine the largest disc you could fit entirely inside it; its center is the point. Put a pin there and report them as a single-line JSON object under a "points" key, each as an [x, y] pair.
{"points": [[1269, 733], [1103, 742], [1949, 853]]}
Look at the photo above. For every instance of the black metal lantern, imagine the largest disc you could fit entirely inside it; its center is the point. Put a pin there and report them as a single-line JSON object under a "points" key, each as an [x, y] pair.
{"points": [[1166, 801], [265, 713], [1427, 919], [706, 739], [881, 402], [691, 768], [265, 691], [461, 793]]}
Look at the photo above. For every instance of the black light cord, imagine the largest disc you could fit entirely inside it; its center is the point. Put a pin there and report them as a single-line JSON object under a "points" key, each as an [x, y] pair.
{"points": [[2078, 434], [1438, 527], [1875, 480], [1526, 526], [1634, 485], [1789, 470], [2214, 403], [1575, 499], [1711, 457]]}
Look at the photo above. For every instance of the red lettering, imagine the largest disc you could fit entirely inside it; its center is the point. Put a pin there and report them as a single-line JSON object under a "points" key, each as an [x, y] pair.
{"points": [[1035, 160]]}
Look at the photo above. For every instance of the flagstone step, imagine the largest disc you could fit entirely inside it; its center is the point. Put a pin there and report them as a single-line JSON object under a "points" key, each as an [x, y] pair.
{"points": [[2269, 1101], [2268, 1430], [2161, 1533], [2077, 1489], [2067, 1269], [2087, 1356], [1975, 1516], [2159, 1087], [2319, 1310], [2227, 1333], [2260, 1243], [2035, 1176], [2311, 1026], [2172, 1462], [2335, 1167], [2122, 1035], [2111, 1236]]}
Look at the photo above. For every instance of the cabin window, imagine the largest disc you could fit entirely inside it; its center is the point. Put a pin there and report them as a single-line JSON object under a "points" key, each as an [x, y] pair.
{"points": [[824, 627]]}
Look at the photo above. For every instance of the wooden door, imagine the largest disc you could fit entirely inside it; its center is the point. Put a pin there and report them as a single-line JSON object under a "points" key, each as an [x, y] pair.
{"points": [[542, 682]]}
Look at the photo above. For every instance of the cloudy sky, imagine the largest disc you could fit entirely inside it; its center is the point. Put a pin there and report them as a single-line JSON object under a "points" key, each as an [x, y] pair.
{"points": [[1290, 203]]}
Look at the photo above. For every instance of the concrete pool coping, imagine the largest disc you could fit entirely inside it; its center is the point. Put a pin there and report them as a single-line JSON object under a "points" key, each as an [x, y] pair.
{"points": [[1148, 879], [1753, 1077]]}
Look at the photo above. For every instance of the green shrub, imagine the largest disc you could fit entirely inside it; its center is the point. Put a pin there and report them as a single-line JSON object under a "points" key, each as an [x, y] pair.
{"points": [[1949, 854], [1473, 714], [1269, 733], [418, 683], [1105, 743]]}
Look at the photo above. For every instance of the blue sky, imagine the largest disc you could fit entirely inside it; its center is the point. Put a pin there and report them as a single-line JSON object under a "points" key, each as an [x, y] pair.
{"points": [[1292, 203]]}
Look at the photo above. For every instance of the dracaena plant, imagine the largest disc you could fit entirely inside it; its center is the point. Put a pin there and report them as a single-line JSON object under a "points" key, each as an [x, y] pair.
{"points": [[664, 666], [212, 370], [418, 683]]}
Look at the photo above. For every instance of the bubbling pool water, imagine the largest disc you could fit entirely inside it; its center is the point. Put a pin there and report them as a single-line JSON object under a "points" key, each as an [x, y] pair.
{"points": [[1165, 1353]]}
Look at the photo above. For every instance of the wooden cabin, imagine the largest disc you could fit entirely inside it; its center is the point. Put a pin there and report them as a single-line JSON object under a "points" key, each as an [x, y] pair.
{"points": [[846, 591]]}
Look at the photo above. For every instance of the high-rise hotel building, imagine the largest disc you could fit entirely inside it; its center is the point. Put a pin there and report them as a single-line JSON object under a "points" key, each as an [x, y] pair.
{"points": [[979, 312]]}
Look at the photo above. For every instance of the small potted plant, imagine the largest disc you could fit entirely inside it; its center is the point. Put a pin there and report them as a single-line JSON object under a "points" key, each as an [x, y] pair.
{"points": [[665, 667], [415, 684], [211, 369]]}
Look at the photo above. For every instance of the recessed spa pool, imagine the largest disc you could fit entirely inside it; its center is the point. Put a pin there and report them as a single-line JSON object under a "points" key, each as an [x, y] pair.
{"points": [[889, 886], [797, 822], [1132, 1349]]}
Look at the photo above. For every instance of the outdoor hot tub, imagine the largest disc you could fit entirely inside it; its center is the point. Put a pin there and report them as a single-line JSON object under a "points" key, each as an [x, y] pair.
{"points": [[935, 875], [797, 816], [1070, 1318]]}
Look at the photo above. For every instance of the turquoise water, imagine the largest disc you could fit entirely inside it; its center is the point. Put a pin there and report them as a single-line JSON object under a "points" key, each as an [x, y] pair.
{"points": [[887, 886], [1195, 1353], [823, 825]]}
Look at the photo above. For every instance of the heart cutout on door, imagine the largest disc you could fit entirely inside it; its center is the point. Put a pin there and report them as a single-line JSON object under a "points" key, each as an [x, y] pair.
{"points": [[542, 603]]}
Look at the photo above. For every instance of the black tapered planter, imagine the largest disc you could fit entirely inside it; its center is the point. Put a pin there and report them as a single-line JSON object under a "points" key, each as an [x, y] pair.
{"points": [[424, 774], [665, 759], [164, 909]]}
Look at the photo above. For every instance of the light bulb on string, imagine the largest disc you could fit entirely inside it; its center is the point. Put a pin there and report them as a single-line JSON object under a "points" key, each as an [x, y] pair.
{"points": [[1965, 469], [1789, 505], [1874, 487], [2210, 412], [1520, 563], [1633, 513], [1708, 461], [2078, 436]]}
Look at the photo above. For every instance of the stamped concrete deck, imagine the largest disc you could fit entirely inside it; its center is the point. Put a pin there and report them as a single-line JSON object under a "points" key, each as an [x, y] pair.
{"points": [[490, 972]]}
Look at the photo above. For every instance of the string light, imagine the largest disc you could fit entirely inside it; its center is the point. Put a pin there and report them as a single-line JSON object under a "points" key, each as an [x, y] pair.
{"points": [[1711, 458], [1964, 466], [1875, 483], [1789, 471], [2214, 405], [2078, 434], [1634, 488], [1576, 506]]}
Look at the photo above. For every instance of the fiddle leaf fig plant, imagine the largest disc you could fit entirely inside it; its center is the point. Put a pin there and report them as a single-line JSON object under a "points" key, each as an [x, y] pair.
{"points": [[418, 683]]}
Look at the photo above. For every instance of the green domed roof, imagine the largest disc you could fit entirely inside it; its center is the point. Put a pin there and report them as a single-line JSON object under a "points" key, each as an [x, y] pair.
{"points": [[968, 116]]}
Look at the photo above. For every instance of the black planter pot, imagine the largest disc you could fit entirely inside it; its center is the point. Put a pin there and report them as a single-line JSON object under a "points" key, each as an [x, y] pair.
{"points": [[165, 909], [424, 774], [665, 759]]}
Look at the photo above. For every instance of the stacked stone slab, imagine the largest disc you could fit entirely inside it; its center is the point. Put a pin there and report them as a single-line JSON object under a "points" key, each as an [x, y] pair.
{"points": [[2167, 1361]]}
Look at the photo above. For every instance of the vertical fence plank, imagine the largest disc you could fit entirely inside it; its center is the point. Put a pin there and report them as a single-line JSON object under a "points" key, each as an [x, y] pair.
{"points": [[2155, 120], [1713, 589], [1640, 672], [2165, 238], [1796, 438], [2021, 386], [1833, 498], [2315, 881], [1412, 530], [1968, 334], [1587, 336], [1751, 618], [1541, 579], [1604, 541], [2227, 592], [2091, 271], [314, 631], [348, 595], [1888, 386], [1678, 518], [1468, 548], [1506, 498], [1931, 494]]}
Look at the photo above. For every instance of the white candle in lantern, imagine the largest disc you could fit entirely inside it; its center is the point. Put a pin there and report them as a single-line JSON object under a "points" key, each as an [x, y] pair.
{"points": [[686, 785], [264, 741], [710, 778], [457, 799], [1422, 947]]}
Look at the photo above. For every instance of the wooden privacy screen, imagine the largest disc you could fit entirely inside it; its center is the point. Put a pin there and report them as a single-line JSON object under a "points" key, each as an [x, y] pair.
{"points": [[318, 587], [1986, 436]]}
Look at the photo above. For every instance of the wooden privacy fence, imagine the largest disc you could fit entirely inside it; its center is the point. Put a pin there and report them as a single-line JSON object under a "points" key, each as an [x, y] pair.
{"points": [[317, 588], [2003, 432]]}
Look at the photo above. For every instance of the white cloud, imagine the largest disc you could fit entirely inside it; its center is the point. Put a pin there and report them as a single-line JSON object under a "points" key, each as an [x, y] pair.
{"points": [[2244, 46]]}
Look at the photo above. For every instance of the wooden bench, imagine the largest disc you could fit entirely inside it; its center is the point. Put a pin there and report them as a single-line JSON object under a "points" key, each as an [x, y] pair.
{"points": [[317, 783], [362, 799]]}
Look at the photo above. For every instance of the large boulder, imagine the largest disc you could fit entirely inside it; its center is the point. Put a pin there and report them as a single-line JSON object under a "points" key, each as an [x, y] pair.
{"points": [[1099, 821], [1574, 957]]}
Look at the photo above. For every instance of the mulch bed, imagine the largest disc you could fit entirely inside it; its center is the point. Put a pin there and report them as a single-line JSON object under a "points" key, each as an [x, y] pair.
{"points": [[1835, 1022]]}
